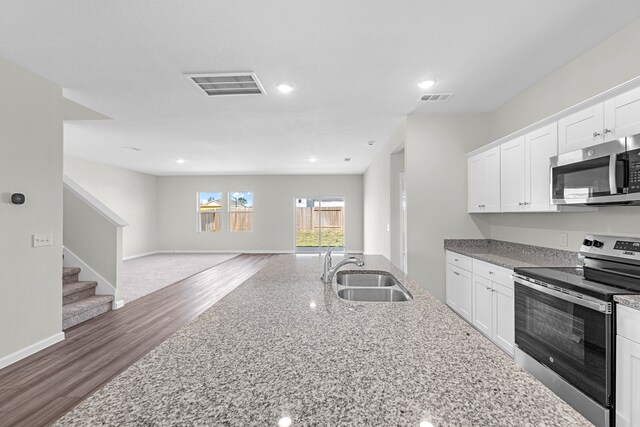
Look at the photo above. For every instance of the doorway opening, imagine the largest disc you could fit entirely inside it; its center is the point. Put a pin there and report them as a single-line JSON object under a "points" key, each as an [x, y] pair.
{"points": [[319, 224]]}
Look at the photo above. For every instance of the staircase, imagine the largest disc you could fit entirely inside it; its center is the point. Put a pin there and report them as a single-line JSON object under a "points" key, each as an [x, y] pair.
{"points": [[79, 300]]}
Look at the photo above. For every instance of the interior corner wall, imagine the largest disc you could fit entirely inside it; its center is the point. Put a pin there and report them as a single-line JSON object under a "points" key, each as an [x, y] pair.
{"points": [[131, 195], [611, 63], [377, 198], [395, 213], [30, 163], [273, 212], [436, 186]]}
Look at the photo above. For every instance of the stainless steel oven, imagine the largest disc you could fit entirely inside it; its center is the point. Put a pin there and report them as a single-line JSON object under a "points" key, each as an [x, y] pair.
{"points": [[565, 323], [603, 174]]}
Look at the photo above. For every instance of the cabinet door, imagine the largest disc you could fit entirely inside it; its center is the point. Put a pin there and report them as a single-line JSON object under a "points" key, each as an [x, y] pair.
{"points": [[452, 287], [581, 129], [475, 185], [482, 305], [465, 283], [492, 180], [540, 145], [622, 115], [512, 169], [503, 318], [627, 383]]}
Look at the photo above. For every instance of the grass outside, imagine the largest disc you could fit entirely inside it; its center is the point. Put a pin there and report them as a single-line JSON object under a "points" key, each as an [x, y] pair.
{"points": [[310, 238]]}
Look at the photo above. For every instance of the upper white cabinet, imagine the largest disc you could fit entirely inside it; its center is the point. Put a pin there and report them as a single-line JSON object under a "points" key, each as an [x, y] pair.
{"points": [[581, 129], [613, 119], [622, 115], [484, 181], [524, 165]]}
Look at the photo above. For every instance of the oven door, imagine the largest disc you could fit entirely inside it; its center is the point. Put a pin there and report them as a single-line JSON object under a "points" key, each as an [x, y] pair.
{"points": [[598, 174], [570, 336]]}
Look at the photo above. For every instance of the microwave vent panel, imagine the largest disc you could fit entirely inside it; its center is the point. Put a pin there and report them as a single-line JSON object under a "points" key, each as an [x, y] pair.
{"points": [[430, 97], [227, 84]]}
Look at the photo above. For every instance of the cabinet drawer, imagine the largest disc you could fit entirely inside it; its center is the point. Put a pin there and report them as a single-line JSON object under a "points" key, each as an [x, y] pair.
{"points": [[464, 262], [629, 323], [493, 272]]}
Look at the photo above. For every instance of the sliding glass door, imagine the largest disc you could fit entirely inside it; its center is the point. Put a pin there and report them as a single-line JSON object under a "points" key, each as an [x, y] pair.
{"points": [[319, 224]]}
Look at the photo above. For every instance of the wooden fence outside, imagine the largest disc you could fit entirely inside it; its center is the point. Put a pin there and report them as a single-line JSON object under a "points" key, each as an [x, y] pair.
{"points": [[330, 218], [241, 218]]}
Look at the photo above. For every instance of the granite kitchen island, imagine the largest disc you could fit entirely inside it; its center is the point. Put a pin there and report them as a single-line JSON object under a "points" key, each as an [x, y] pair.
{"points": [[283, 344]]}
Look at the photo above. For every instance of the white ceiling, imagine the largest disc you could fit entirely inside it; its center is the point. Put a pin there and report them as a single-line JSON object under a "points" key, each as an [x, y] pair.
{"points": [[355, 64]]}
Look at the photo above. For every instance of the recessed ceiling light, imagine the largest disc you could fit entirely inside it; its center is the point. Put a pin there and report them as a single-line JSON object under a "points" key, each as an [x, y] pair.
{"points": [[180, 161], [313, 160], [427, 83], [285, 87]]}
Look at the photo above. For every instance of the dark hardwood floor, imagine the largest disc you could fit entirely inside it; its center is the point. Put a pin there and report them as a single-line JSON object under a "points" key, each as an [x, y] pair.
{"points": [[41, 388]]}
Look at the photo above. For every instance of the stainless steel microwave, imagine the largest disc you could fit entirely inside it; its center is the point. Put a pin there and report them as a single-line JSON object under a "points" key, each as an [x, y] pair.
{"points": [[605, 174]]}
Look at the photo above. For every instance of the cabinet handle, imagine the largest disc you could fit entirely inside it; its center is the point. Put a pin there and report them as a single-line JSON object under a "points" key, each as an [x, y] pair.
{"points": [[456, 273], [596, 134], [489, 289], [520, 204], [456, 259], [491, 272], [606, 131], [526, 203]]}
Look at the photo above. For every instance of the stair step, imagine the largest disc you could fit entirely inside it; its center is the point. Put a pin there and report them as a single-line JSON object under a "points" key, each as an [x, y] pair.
{"points": [[70, 275], [85, 309], [72, 292]]}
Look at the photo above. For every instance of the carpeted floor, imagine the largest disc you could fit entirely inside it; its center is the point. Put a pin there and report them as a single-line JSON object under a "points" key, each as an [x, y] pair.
{"points": [[141, 276]]}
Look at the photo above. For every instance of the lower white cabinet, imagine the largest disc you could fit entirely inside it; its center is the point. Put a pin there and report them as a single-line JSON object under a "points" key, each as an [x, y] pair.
{"points": [[482, 293], [459, 291], [628, 368], [493, 304]]}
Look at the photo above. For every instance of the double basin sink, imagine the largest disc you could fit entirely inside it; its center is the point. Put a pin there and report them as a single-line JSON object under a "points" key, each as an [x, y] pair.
{"points": [[370, 286]]}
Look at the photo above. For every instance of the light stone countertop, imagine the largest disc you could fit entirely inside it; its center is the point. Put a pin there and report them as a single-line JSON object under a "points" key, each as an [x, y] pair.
{"points": [[510, 255], [631, 301], [283, 344]]}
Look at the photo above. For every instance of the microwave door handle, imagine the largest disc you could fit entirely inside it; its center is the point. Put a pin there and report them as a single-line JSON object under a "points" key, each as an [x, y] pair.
{"points": [[613, 185]]}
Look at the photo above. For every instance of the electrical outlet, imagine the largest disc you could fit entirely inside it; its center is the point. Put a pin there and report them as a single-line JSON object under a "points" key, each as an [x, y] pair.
{"points": [[42, 239], [564, 239]]}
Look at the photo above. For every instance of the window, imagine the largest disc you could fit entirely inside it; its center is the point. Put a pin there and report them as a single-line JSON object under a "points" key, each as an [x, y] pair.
{"points": [[241, 211], [319, 224], [209, 211]]}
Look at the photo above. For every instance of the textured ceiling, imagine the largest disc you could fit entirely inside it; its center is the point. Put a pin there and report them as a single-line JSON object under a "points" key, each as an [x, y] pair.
{"points": [[355, 64]]}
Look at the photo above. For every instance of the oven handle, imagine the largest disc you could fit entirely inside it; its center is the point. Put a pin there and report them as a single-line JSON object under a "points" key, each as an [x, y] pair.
{"points": [[613, 186], [592, 304]]}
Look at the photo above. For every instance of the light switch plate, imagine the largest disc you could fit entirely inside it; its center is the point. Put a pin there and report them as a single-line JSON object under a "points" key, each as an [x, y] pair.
{"points": [[42, 239]]}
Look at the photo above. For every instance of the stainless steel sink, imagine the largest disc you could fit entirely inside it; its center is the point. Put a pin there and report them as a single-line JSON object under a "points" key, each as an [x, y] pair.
{"points": [[370, 286], [354, 279], [373, 295]]}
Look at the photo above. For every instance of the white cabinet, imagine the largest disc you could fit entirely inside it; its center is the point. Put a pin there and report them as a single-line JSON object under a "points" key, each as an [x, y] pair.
{"points": [[540, 146], [628, 368], [581, 129], [512, 169], [493, 304], [615, 118], [622, 115], [524, 164], [458, 285], [483, 173]]}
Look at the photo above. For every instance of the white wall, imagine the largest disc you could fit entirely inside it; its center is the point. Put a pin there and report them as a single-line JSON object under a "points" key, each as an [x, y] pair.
{"points": [[607, 65], [131, 195], [30, 163], [377, 196], [395, 218], [273, 218], [436, 185]]}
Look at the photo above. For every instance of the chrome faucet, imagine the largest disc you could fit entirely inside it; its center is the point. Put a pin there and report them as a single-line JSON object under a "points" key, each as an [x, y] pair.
{"points": [[330, 271]]}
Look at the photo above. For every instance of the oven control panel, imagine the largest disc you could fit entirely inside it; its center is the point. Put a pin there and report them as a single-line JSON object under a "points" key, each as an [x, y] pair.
{"points": [[612, 246]]}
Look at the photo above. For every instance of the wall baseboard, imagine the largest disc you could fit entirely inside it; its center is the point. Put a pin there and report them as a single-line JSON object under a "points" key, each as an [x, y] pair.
{"points": [[117, 304], [127, 258], [32, 349]]}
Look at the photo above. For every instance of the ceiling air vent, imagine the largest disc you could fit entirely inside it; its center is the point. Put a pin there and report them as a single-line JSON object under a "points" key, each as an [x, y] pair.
{"points": [[223, 84], [436, 97]]}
